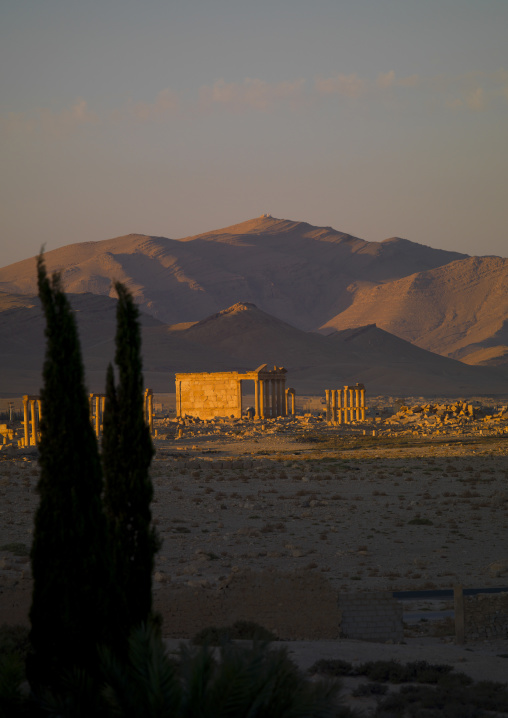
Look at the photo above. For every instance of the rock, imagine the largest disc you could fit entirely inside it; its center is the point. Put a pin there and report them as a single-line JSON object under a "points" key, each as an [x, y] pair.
{"points": [[498, 568]]}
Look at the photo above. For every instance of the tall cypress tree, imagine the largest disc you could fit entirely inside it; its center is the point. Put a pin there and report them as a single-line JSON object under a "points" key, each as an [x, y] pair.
{"points": [[68, 612], [127, 451]]}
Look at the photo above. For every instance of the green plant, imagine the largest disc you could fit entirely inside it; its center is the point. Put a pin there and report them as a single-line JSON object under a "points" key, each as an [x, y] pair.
{"points": [[69, 563], [14, 640], [239, 682], [12, 675], [370, 689], [126, 455], [240, 630], [332, 667]]}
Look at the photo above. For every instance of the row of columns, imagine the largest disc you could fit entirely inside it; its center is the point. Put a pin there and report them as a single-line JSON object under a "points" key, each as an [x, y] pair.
{"points": [[344, 406], [32, 416], [98, 403], [272, 399]]}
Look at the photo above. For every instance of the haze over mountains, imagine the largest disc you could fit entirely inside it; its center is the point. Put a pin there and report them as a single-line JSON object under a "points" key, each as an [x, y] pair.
{"points": [[300, 279]]}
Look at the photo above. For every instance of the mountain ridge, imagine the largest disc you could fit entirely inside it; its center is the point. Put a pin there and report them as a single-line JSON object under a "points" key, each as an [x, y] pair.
{"points": [[239, 339], [302, 274]]}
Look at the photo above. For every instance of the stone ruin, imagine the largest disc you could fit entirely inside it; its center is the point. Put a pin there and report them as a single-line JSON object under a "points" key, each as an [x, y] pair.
{"points": [[32, 413], [98, 402], [343, 406], [204, 395]]}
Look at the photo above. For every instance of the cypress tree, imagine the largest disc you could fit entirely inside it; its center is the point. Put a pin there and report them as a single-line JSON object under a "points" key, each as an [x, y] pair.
{"points": [[127, 451], [69, 566]]}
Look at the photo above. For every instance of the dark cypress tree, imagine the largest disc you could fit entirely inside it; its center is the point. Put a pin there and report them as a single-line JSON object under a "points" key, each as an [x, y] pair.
{"points": [[127, 451], [68, 612]]}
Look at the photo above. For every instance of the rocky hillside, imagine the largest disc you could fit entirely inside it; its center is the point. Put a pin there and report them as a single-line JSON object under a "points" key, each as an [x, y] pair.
{"points": [[311, 278], [299, 273], [459, 310], [239, 338]]}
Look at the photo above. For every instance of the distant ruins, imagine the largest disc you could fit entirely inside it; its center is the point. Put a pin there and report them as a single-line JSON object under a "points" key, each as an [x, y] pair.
{"points": [[343, 406], [98, 401], [32, 407], [32, 415], [205, 395]]}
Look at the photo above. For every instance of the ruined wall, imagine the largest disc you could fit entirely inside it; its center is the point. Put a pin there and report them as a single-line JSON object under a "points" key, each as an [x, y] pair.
{"points": [[374, 616], [295, 606], [486, 616], [205, 395]]}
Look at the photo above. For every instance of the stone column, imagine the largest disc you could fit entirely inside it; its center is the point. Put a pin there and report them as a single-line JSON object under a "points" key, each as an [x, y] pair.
{"points": [[178, 386], [282, 386], [262, 398], [357, 402], [334, 405], [351, 405], [257, 408], [362, 401], [290, 393], [328, 406], [25, 412], [346, 409], [33, 441], [274, 397], [150, 412], [339, 405], [97, 416]]}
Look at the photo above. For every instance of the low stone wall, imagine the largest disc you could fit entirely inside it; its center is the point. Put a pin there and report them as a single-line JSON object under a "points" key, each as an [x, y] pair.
{"points": [[214, 465], [295, 606], [371, 617], [486, 616]]}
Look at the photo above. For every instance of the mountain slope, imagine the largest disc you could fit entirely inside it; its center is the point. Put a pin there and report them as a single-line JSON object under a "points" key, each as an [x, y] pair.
{"points": [[240, 339], [385, 363], [22, 346], [302, 274], [459, 310]]}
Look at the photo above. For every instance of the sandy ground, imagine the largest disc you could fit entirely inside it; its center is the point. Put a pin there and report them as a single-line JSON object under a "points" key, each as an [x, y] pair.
{"points": [[362, 513]]}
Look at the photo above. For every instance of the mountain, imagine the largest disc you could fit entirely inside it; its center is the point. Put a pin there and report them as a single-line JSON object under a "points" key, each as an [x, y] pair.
{"points": [[200, 291], [22, 345], [459, 310], [385, 363], [302, 274], [238, 339]]}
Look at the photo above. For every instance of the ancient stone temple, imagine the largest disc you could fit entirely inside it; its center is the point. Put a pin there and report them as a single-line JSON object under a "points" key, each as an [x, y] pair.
{"points": [[207, 395]]}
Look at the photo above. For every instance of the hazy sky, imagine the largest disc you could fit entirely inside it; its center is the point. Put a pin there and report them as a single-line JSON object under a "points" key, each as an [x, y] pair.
{"points": [[379, 118]]}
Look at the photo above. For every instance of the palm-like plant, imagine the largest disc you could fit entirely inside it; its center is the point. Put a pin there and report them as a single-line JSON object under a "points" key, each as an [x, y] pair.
{"points": [[235, 682]]}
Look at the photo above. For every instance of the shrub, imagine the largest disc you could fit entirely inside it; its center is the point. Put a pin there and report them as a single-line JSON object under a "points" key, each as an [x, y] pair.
{"points": [[332, 667], [240, 630]]}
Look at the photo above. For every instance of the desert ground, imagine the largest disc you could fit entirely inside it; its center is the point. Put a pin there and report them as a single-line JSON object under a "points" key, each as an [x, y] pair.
{"points": [[381, 506]]}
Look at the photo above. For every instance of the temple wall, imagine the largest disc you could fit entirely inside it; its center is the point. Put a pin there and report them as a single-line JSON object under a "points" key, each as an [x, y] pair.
{"points": [[206, 396]]}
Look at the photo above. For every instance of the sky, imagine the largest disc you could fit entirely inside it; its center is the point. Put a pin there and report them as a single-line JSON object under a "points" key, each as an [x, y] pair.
{"points": [[379, 118]]}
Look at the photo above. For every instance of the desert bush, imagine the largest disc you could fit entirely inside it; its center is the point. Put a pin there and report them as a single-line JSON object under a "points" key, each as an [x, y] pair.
{"points": [[370, 689], [448, 701], [332, 667], [240, 630], [14, 640]]}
